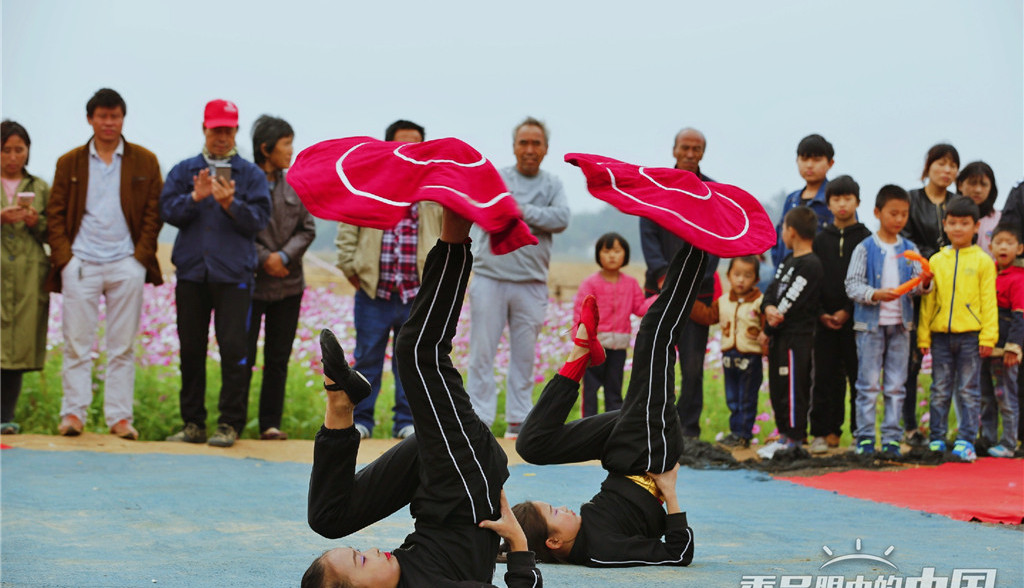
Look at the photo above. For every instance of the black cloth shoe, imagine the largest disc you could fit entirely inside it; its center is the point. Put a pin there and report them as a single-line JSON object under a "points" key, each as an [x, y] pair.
{"points": [[336, 368]]}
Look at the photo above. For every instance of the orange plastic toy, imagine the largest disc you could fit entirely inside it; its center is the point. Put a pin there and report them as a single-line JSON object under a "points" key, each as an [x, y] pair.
{"points": [[912, 282]]}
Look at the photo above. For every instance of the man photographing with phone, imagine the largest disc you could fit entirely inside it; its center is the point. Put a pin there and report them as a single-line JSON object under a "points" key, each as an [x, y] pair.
{"points": [[219, 202]]}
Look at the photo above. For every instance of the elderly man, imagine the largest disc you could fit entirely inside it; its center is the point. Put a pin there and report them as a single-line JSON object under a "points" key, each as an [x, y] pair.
{"points": [[103, 225], [512, 289], [659, 246], [219, 202], [385, 268]]}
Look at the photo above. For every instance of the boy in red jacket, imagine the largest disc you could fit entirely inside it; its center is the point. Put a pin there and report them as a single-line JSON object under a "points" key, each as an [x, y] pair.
{"points": [[1006, 246]]}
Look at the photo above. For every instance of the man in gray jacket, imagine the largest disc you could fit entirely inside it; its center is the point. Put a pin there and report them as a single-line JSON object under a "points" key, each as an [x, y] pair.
{"points": [[385, 268], [512, 289]]}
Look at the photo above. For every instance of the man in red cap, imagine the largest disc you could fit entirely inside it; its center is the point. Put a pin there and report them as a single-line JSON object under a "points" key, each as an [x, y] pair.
{"points": [[219, 202], [103, 225]]}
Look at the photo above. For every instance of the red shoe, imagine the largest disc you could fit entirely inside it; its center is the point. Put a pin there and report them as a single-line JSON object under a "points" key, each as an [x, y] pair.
{"points": [[589, 318], [70, 426], [124, 430]]}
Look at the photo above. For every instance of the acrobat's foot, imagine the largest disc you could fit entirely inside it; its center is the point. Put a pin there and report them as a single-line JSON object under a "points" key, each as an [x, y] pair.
{"points": [[337, 369]]}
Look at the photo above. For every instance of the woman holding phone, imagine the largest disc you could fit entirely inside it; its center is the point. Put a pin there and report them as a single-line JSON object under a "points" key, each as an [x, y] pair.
{"points": [[25, 303]]}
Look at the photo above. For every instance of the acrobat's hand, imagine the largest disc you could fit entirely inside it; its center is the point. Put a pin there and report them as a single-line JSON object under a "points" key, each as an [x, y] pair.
{"points": [[507, 527], [666, 484]]}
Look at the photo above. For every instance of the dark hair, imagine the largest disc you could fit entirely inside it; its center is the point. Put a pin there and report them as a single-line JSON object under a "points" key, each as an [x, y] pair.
{"points": [[535, 529], [607, 241], [403, 125], [106, 98], [1007, 227], [267, 131], [890, 192], [751, 259], [530, 122], [315, 576], [803, 220], [938, 152], [976, 169], [8, 129], [815, 146], [962, 206], [842, 186]]}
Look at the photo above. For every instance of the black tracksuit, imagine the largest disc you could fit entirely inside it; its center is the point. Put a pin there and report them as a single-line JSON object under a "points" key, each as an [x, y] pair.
{"points": [[796, 293], [450, 472], [623, 524], [835, 351]]}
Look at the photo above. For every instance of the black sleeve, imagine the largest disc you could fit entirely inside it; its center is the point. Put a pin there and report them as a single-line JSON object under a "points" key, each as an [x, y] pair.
{"points": [[802, 294], [522, 572], [342, 501], [626, 551], [1013, 212]]}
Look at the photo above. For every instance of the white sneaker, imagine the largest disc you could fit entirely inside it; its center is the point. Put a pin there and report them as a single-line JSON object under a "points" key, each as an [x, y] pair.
{"points": [[364, 433], [768, 451], [819, 445], [405, 431]]}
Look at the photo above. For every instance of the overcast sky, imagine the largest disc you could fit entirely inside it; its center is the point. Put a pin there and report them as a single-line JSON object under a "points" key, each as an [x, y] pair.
{"points": [[882, 80]]}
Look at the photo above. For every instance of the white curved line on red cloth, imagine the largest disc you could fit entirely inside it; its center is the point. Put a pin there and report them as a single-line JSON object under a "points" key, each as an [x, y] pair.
{"points": [[487, 204], [746, 219], [340, 168], [663, 187], [398, 153]]}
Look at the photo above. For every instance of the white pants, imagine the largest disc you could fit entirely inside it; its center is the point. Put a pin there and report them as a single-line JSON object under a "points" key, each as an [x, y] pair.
{"points": [[120, 282], [493, 303]]}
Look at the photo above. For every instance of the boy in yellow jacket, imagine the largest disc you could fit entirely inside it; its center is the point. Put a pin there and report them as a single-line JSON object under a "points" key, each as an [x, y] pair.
{"points": [[960, 323]]}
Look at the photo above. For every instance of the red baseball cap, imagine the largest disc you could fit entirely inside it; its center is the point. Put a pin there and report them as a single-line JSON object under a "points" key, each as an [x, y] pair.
{"points": [[220, 113]]}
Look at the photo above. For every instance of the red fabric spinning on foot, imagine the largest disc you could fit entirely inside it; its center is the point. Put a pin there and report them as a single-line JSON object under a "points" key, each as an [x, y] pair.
{"points": [[990, 490], [371, 183], [721, 219]]}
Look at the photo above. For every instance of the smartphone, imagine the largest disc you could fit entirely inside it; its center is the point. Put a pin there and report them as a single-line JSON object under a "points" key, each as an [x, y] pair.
{"points": [[224, 173], [25, 199]]}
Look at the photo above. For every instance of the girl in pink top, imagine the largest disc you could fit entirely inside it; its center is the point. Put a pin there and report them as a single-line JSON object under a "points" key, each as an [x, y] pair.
{"points": [[618, 296]]}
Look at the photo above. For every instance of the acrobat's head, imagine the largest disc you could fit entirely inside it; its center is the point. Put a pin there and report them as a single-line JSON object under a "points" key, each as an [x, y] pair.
{"points": [[550, 531], [345, 567]]}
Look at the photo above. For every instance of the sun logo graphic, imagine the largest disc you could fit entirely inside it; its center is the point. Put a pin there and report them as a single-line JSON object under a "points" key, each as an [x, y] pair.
{"points": [[857, 555]]}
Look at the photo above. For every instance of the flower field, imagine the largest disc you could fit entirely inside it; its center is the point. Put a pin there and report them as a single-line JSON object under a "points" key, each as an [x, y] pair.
{"points": [[157, 379]]}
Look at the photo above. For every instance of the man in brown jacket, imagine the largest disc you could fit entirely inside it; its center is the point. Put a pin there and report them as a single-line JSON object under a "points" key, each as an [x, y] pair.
{"points": [[104, 220]]}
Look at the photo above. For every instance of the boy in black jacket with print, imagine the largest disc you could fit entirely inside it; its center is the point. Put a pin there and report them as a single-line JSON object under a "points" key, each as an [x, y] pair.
{"points": [[792, 306], [835, 347]]}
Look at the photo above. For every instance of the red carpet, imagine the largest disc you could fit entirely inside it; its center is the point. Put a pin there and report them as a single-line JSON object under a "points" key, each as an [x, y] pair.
{"points": [[989, 490]]}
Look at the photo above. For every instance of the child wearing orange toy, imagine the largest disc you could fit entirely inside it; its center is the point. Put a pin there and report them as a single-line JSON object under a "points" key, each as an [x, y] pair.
{"points": [[883, 319]]}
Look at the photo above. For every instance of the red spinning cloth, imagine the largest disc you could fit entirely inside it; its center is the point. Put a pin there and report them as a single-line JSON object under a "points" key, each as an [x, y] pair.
{"points": [[721, 219], [371, 183], [990, 490]]}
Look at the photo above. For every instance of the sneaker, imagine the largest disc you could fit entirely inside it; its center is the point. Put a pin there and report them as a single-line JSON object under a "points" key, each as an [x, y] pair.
{"points": [[891, 449], [733, 440], [70, 426], [964, 450], [124, 430], [864, 447], [1000, 451], [364, 432], [937, 445], [914, 438], [512, 430], [224, 437], [769, 451], [405, 432], [192, 433], [9, 428], [273, 434], [832, 439], [819, 445]]}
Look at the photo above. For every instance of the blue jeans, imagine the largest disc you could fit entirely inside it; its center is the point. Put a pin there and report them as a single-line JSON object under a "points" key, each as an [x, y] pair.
{"points": [[375, 320], [956, 367], [882, 367], [743, 373], [1000, 400]]}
